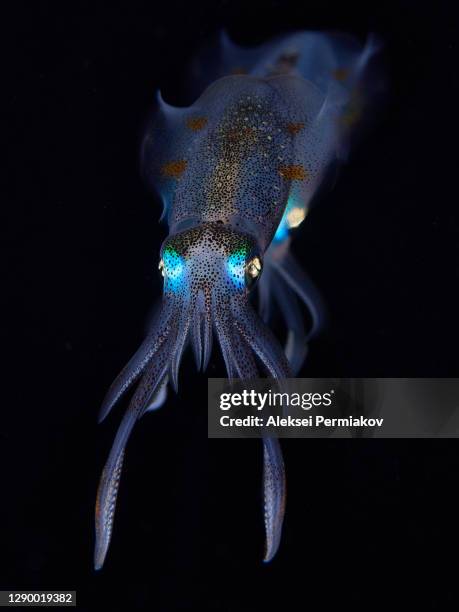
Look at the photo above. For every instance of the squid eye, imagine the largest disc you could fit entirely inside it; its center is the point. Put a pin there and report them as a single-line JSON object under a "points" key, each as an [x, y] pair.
{"points": [[252, 271], [172, 268]]}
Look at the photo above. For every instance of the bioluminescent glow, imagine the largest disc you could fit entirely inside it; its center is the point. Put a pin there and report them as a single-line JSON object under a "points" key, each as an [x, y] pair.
{"points": [[172, 269], [251, 150], [293, 216], [235, 266]]}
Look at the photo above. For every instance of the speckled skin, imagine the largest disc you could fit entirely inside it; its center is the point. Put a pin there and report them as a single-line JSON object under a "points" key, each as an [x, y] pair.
{"points": [[239, 167], [237, 172]]}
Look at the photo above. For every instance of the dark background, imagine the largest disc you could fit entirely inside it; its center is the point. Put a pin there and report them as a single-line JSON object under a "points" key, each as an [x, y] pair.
{"points": [[369, 524]]}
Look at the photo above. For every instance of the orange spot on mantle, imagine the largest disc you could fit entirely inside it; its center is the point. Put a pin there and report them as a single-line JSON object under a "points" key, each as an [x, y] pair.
{"points": [[340, 74], [294, 128], [293, 173], [238, 70], [174, 169], [196, 123]]}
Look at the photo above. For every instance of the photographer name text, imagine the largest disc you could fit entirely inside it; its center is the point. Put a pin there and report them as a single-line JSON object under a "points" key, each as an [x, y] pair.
{"points": [[289, 421]]}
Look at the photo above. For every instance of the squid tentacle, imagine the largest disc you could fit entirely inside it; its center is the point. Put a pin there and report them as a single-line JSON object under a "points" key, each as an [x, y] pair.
{"points": [[263, 342], [266, 346], [158, 397], [274, 493], [207, 338], [196, 338], [224, 337], [179, 347], [240, 332], [299, 282], [244, 361], [107, 492], [274, 483], [296, 346], [265, 292], [138, 362]]}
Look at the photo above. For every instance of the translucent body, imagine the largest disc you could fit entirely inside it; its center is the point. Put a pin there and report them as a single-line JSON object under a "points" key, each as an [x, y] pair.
{"points": [[237, 172], [256, 140]]}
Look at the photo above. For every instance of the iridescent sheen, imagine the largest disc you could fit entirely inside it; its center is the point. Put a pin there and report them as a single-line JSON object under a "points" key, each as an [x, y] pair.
{"points": [[237, 172]]}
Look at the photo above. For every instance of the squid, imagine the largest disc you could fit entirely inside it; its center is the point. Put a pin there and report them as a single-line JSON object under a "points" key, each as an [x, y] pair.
{"points": [[237, 172]]}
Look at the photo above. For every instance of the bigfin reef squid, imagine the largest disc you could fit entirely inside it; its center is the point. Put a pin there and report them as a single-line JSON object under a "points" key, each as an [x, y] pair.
{"points": [[237, 172]]}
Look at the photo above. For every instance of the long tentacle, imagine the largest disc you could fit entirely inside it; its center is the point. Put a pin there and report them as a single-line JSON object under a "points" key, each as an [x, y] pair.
{"points": [[266, 346], [274, 491], [109, 482], [134, 368]]}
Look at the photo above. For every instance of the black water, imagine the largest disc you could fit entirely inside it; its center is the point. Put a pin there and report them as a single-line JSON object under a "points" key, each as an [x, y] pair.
{"points": [[369, 524]]}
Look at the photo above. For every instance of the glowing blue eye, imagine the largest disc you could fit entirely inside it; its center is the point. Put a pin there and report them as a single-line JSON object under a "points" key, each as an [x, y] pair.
{"points": [[235, 266], [172, 267]]}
